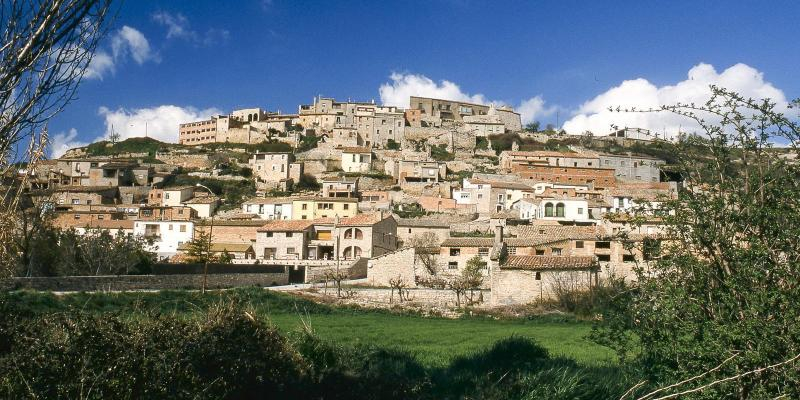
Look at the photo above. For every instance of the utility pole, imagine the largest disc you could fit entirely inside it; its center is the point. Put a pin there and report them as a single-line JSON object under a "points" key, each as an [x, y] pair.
{"points": [[208, 246]]}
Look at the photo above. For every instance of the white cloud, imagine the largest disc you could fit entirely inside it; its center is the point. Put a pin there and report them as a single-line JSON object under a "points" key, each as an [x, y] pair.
{"points": [[159, 123], [130, 41], [594, 116], [178, 27], [403, 86], [61, 142], [101, 64], [124, 42], [397, 92], [534, 109]]}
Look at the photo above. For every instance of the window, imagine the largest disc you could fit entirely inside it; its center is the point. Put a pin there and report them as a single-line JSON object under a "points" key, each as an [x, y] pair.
{"points": [[182, 228], [452, 265], [76, 201], [556, 251], [579, 244], [560, 210], [269, 234], [169, 227], [304, 207], [603, 257], [289, 234], [455, 252], [166, 196], [539, 252], [602, 245], [628, 258], [512, 250], [580, 211], [483, 251], [346, 206], [651, 248], [290, 250], [538, 276], [548, 210], [77, 216]]}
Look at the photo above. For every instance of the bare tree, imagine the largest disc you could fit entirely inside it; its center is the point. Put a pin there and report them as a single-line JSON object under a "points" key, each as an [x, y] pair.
{"points": [[426, 247], [45, 48]]}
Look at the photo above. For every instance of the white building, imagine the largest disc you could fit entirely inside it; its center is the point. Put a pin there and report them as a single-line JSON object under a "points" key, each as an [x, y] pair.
{"points": [[175, 196], [554, 209], [356, 159], [166, 235], [269, 208]]}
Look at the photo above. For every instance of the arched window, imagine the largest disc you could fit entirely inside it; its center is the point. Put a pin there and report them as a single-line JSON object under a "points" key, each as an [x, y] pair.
{"points": [[358, 234], [548, 210], [356, 251], [249, 118], [348, 253], [560, 210], [348, 234]]}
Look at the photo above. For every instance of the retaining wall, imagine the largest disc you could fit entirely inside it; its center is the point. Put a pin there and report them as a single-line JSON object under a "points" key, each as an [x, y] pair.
{"points": [[148, 282]]}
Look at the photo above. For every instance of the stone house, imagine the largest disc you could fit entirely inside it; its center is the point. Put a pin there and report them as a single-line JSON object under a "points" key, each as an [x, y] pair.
{"points": [[456, 251], [490, 196], [275, 169], [410, 227], [356, 159], [527, 279], [231, 231], [283, 239], [371, 200], [633, 168], [597, 178], [75, 195], [521, 160], [406, 171], [165, 213]]}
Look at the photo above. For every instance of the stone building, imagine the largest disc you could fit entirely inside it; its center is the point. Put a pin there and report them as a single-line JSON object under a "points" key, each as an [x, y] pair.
{"points": [[597, 178], [340, 187], [520, 160], [410, 227], [371, 125], [275, 169], [527, 279], [76, 195], [406, 171], [632, 167]]}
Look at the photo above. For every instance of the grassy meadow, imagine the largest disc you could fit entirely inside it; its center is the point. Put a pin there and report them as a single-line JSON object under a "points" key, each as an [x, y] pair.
{"points": [[433, 341]]}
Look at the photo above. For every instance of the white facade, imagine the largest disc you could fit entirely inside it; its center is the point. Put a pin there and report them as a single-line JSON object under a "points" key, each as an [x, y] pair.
{"points": [[176, 196], [166, 235], [356, 162], [278, 210], [576, 210]]}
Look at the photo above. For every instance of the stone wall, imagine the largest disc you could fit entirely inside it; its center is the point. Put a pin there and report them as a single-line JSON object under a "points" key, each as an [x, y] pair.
{"points": [[400, 263], [442, 298], [188, 161], [148, 282]]}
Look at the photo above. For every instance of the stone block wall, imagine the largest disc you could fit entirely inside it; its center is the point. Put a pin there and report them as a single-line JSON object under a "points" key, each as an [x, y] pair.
{"points": [[442, 298]]}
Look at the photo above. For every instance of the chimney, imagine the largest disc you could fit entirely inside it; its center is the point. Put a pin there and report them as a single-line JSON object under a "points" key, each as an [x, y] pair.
{"points": [[498, 235]]}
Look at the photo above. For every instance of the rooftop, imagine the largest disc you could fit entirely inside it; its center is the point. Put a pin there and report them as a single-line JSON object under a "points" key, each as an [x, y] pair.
{"points": [[468, 242], [356, 150], [540, 263], [423, 223]]}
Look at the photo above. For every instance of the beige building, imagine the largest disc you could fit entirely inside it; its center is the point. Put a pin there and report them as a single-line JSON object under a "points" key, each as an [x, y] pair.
{"points": [[350, 238], [175, 196], [527, 279], [340, 188], [309, 208], [410, 227], [204, 206], [369, 124]]}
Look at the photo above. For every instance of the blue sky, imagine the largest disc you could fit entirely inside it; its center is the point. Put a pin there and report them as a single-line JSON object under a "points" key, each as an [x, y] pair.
{"points": [[201, 57]]}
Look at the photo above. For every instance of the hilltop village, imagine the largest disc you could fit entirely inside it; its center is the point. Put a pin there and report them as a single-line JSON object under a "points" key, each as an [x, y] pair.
{"points": [[387, 198]]}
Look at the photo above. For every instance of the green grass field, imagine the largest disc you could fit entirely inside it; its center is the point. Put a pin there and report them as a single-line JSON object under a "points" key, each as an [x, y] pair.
{"points": [[434, 341]]}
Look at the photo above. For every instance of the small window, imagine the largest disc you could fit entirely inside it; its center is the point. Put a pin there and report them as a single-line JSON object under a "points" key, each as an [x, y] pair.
{"points": [[170, 227], [183, 228], [346, 206], [483, 251], [539, 252], [290, 250], [602, 245], [579, 244], [628, 258], [304, 207], [289, 234], [455, 252], [556, 251], [512, 250], [269, 234], [452, 265], [538, 276], [604, 257]]}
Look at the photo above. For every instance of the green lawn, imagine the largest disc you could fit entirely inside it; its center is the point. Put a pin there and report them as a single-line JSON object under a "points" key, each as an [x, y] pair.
{"points": [[434, 341]]}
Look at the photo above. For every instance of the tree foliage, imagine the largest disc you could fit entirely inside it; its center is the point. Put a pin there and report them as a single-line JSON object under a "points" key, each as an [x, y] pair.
{"points": [[721, 308]]}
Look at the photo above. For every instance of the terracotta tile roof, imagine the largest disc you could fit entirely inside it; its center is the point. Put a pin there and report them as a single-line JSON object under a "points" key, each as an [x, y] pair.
{"points": [[424, 223], [357, 150], [560, 232], [501, 184], [270, 200], [109, 224], [286, 225], [468, 242], [539, 263]]}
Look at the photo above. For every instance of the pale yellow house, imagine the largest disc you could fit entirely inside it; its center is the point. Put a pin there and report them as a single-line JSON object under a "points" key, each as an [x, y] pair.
{"points": [[319, 207]]}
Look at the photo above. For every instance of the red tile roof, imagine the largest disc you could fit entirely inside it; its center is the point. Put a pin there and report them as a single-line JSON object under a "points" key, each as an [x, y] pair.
{"points": [[539, 263]]}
